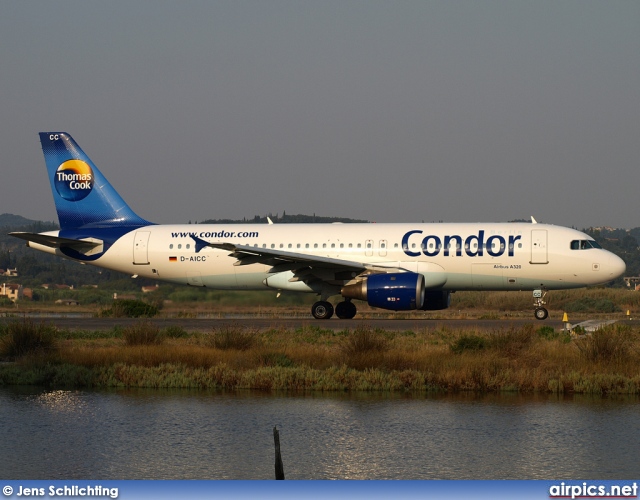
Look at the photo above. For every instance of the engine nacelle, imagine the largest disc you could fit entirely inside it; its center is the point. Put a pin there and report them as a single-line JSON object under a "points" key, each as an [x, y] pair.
{"points": [[399, 291], [435, 300]]}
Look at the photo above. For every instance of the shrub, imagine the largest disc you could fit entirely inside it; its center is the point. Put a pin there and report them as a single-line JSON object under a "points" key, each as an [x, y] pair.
{"points": [[130, 309], [363, 340], [276, 359], [513, 340], [232, 336], [468, 343], [548, 332], [142, 333], [6, 302], [611, 343], [176, 332], [20, 338]]}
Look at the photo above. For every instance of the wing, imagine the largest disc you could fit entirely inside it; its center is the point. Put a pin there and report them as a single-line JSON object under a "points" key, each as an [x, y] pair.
{"points": [[305, 267]]}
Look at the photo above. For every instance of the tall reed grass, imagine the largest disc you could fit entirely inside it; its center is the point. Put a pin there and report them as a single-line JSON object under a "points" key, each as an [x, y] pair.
{"points": [[24, 338], [142, 333], [311, 358], [233, 337]]}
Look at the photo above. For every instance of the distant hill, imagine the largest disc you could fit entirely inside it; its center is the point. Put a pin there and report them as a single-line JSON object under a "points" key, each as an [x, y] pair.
{"points": [[284, 219], [11, 221]]}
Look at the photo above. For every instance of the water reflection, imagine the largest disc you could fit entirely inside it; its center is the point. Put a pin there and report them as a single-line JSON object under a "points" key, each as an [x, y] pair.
{"points": [[153, 434]]}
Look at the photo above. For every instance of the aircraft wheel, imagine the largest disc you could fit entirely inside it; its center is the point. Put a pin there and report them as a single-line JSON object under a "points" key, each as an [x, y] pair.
{"points": [[346, 310], [541, 313], [322, 310]]}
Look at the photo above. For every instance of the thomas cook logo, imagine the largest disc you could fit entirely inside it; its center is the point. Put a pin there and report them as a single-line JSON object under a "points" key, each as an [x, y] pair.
{"points": [[74, 180]]}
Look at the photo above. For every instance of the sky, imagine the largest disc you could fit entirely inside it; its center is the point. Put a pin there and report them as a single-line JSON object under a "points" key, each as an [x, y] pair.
{"points": [[389, 111]]}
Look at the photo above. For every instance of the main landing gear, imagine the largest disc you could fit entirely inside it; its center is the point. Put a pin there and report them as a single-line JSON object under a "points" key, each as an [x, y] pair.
{"points": [[324, 310], [346, 310], [538, 301]]}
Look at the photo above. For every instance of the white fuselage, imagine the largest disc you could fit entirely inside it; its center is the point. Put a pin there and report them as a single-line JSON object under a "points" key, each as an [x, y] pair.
{"points": [[451, 256]]}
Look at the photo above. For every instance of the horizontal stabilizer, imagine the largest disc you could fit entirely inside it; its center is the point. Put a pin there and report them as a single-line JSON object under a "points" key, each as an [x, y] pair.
{"points": [[86, 246]]}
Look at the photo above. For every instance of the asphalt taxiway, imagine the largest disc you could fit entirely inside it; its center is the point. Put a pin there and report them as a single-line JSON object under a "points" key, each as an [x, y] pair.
{"points": [[208, 324]]}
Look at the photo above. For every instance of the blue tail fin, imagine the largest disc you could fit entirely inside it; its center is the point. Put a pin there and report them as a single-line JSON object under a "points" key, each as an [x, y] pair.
{"points": [[83, 197]]}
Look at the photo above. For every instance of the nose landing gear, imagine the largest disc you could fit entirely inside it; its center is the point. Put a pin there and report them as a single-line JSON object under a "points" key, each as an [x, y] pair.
{"points": [[538, 301]]}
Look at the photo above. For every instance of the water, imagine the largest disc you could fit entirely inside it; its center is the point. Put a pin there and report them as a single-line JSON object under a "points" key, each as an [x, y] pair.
{"points": [[147, 434]]}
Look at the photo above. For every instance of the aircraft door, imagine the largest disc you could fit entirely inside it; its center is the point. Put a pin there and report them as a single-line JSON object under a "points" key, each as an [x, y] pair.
{"points": [[141, 247], [539, 253]]}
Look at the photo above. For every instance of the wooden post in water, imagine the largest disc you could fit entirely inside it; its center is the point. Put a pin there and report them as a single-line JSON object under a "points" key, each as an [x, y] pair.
{"points": [[279, 466]]}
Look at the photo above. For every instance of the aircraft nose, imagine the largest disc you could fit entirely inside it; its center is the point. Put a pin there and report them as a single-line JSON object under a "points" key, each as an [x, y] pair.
{"points": [[616, 266]]}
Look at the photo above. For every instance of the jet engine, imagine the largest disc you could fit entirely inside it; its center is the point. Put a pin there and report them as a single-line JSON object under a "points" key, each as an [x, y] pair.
{"points": [[396, 291]]}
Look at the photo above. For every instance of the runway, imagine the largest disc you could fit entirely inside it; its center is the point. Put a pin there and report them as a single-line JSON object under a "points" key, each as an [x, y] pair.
{"points": [[263, 323]]}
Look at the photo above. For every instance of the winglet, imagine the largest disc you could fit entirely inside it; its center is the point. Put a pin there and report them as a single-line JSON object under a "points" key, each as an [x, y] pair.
{"points": [[533, 221]]}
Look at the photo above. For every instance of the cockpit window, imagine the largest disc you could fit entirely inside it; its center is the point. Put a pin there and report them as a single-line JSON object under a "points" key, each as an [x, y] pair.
{"points": [[584, 244]]}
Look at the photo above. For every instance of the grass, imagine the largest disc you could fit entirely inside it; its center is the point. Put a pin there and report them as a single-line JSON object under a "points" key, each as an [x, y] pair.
{"points": [[609, 302], [142, 333], [232, 337], [313, 358], [26, 338]]}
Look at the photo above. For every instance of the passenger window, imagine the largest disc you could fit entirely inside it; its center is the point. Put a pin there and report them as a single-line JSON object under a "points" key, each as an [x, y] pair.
{"points": [[315, 245], [307, 245], [179, 246], [171, 246], [333, 245], [341, 245], [290, 245], [188, 246], [273, 245]]}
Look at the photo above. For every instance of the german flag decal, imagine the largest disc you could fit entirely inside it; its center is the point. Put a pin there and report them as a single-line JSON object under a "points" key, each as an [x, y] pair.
{"points": [[173, 259]]}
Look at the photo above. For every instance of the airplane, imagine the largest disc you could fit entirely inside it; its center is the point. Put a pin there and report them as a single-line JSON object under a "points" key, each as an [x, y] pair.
{"points": [[399, 267]]}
